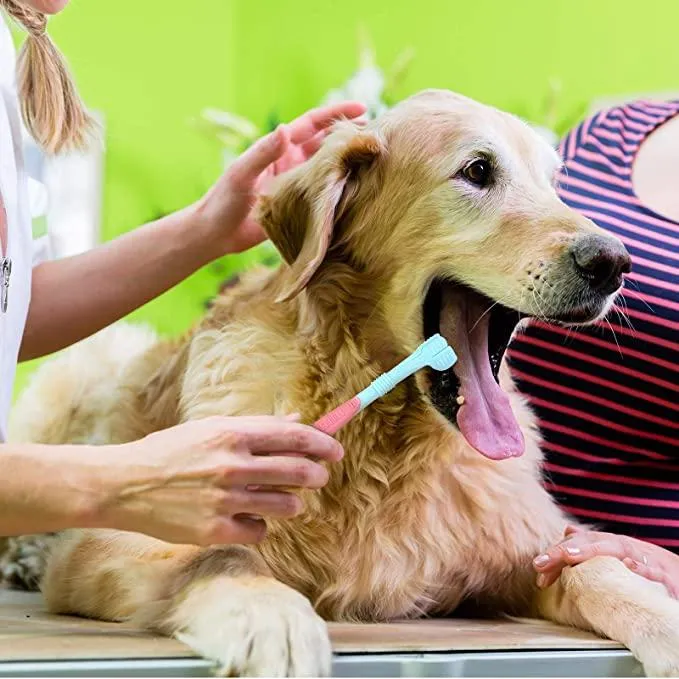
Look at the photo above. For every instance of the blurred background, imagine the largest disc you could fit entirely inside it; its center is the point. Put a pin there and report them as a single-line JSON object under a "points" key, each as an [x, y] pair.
{"points": [[167, 77]]}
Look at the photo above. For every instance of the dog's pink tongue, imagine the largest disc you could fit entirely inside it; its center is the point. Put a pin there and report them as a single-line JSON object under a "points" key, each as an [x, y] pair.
{"points": [[485, 419]]}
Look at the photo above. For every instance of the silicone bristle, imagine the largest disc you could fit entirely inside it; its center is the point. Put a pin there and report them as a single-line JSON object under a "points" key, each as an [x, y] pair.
{"points": [[435, 343], [444, 359]]}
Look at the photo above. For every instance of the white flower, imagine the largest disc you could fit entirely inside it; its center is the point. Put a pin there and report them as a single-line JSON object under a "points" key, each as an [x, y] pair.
{"points": [[366, 86]]}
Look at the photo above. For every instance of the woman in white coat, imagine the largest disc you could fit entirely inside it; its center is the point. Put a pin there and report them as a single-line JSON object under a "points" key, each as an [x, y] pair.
{"points": [[166, 484]]}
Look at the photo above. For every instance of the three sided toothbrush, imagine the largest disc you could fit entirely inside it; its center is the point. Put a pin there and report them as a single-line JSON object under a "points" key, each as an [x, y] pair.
{"points": [[435, 353]]}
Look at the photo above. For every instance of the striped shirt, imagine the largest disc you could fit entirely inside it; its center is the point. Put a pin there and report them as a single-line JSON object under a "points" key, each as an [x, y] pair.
{"points": [[607, 396]]}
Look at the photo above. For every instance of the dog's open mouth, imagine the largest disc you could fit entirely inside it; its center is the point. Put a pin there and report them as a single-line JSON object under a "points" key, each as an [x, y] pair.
{"points": [[469, 394]]}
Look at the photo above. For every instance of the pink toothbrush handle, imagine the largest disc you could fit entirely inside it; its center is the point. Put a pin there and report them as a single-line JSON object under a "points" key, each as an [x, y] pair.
{"points": [[337, 418]]}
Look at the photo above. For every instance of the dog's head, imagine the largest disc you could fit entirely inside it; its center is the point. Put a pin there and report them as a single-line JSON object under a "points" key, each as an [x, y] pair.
{"points": [[452, 206]]}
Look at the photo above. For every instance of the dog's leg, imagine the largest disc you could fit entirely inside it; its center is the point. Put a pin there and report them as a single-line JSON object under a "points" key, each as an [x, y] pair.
{"points": [[221, 601], [604, 596], [23, 560]]}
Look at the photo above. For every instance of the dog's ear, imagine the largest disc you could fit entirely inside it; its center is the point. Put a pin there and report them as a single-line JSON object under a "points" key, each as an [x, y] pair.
{"points": [[300, 215]]}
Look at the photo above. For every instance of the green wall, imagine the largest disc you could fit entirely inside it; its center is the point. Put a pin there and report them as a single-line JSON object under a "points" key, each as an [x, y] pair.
{"points": [[501, 51], [152, 65], [151, 69]]}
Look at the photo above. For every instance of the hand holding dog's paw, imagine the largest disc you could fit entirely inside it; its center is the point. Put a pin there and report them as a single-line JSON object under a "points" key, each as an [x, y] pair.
{"points": [[253, 627], [579, 545]]}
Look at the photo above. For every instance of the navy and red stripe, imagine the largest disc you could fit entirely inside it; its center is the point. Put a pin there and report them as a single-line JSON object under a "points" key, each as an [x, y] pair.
{"points": [[607, 396]]}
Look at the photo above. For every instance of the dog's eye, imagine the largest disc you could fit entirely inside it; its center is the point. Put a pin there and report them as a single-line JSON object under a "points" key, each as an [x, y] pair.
{"points": [[478, 172]]}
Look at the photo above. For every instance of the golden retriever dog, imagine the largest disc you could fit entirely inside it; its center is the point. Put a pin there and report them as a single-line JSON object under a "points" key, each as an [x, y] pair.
{"points": [[441, 216]]}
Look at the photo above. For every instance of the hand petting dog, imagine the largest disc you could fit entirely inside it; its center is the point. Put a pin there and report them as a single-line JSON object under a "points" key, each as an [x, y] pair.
{"points": [[225, 211]]}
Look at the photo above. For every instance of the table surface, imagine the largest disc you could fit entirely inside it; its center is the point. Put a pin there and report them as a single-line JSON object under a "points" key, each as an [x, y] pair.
{"points": [[29, 633]]}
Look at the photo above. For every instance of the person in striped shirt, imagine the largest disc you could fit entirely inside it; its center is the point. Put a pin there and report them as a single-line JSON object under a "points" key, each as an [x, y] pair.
{"points": [[607, 396]]}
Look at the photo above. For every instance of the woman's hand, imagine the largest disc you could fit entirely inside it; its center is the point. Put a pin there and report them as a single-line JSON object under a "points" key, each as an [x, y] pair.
{"points": [[223, 215], [210, 481], [580, 544]]}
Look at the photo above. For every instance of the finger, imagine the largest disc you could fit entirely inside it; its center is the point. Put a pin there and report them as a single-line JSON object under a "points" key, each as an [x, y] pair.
{"points": [[654, 574], [551, 559], [310, 147], [293, 417], [276, 435], [236, 530], [307, 126], [644, 570], [278, 471], [575, 550], [568, 553], [265, 151], [647, 571], [572, 529], [276, 504]]}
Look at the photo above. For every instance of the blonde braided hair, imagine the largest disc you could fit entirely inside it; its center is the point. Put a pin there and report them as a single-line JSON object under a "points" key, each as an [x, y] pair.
{"points": [[50, 106]]}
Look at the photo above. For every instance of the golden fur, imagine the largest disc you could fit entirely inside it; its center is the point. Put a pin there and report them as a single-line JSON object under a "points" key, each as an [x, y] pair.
{"points": [[413, 521]]}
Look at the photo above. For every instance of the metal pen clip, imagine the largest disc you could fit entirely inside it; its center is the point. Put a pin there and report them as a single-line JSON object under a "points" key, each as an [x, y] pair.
{"points": [[5, 273]]}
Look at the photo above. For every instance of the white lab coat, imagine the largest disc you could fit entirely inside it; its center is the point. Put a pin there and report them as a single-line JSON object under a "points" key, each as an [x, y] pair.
{"points": [[14, 187]]}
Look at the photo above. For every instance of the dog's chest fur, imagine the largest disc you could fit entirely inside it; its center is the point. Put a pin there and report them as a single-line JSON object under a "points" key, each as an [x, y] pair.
{"points": [[400, 535]]}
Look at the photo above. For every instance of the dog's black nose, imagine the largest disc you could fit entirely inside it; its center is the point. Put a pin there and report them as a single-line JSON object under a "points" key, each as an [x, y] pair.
{"points": [[601, 261]]}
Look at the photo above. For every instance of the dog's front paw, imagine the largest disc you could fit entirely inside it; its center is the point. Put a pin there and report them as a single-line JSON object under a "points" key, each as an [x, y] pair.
{"points": [[658, 648], [254, 627], [660, 663]]}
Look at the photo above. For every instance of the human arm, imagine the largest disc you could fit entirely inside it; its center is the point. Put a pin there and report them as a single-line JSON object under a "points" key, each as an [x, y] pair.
{"points": [[75, 297], [202, 482]]}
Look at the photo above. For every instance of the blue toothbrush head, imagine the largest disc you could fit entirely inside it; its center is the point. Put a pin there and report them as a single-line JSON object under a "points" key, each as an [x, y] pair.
{"points": [[443, 360], [436, 353], [433, 345]]}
